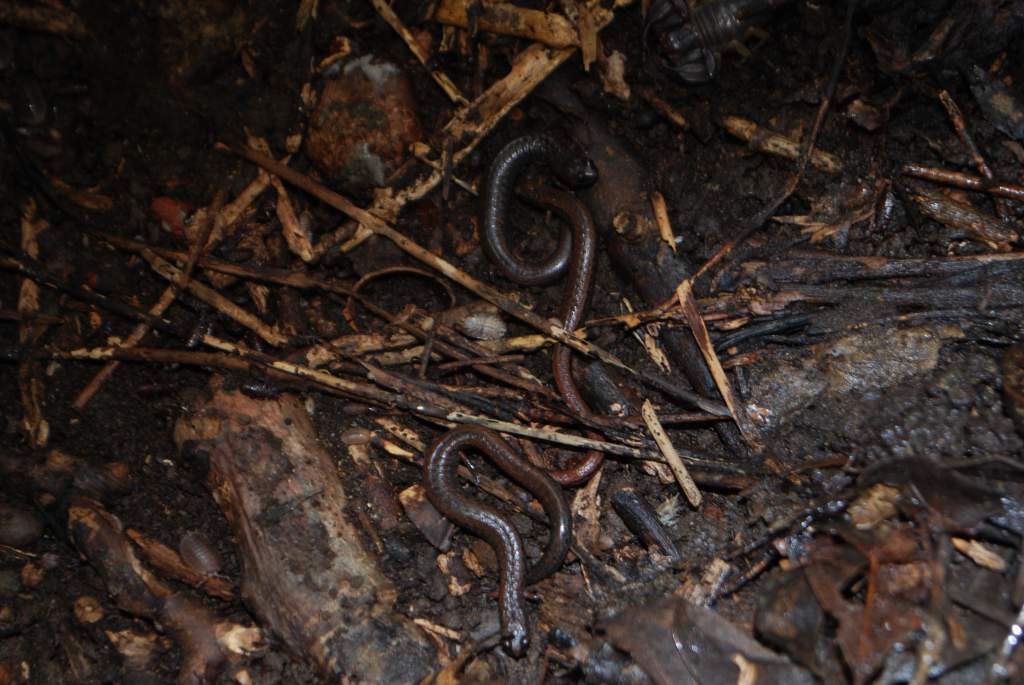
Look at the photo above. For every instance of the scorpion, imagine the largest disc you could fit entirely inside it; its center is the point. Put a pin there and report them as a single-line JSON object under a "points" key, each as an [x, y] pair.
{"points": [[687, 41]]}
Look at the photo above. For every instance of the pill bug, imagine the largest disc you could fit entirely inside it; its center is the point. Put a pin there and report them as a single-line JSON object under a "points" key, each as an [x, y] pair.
{"points": [[198, 554]]}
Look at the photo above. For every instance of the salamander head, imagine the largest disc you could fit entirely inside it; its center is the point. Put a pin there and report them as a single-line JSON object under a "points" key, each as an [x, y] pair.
{"points": [[516, 642], [571, 165]]}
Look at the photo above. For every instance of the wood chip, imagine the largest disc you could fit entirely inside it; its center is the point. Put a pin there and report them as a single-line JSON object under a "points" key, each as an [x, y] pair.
{"points": [[661, 216], [980, 554]]}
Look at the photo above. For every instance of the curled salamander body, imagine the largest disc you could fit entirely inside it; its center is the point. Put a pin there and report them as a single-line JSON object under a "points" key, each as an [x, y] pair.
{"points": [[440, 482], [569, 165], [575, 253]]}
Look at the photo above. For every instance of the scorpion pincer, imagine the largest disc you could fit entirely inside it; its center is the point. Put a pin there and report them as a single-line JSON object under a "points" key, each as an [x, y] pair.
{"points": [[687, 41]]}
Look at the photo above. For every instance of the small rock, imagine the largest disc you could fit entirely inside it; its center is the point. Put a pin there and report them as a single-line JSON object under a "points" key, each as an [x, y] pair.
{"points": [[88, 610], [363, 123]]}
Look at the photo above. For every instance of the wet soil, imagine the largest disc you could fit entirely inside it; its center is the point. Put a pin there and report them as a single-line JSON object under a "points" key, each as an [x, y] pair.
{"points": [[139, 105]]}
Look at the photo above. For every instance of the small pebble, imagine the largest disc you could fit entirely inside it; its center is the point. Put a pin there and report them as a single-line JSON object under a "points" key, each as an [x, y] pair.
{"points": [[88, 609]]}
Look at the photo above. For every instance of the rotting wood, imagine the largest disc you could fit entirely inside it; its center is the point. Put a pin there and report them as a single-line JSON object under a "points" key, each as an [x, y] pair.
{"points": [[207, 642], [305, 572]]}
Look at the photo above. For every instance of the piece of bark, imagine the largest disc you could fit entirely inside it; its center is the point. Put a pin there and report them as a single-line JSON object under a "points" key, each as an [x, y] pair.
{"points": [[305, 572]]}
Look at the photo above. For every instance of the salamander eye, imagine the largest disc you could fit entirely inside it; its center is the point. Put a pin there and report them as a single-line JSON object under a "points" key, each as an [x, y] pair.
{"points": [[579, 172]]}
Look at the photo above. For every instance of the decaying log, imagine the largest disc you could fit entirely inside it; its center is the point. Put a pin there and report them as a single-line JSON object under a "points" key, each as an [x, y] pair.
{"points": [[305, 572]]}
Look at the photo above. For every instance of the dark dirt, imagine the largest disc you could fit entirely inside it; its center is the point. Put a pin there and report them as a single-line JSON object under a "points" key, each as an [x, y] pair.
{"points": [[138, 108]]}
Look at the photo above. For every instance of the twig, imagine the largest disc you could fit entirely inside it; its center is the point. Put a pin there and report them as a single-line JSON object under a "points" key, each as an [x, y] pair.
{"points": [[163, 302], [213, 298], [957, 117], [965, 181], [671, 455], [548, 28], [761, 139], [25, 265], [388, 15]]}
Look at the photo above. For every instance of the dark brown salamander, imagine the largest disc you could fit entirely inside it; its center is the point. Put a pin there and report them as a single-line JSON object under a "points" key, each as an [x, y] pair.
{"points": [[574, 169], [441, 483], [569, 165]]}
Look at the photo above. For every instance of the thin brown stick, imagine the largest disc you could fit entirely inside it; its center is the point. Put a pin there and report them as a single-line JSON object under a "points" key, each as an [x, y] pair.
{"points": [[661, 438], [960, 124], [966, 181], [463, 363]]}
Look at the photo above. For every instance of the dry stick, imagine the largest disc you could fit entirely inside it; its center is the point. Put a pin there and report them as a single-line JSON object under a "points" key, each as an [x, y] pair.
{"points": [[27, 266], [388, 15], [166, 298], [556, 437], [965, 181], [485, 291], [213, 298], [554, 30], [766, 141], [473, 361], [666, 110], [671, 455], [236, 358], [960, 124], [700, 333]]}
